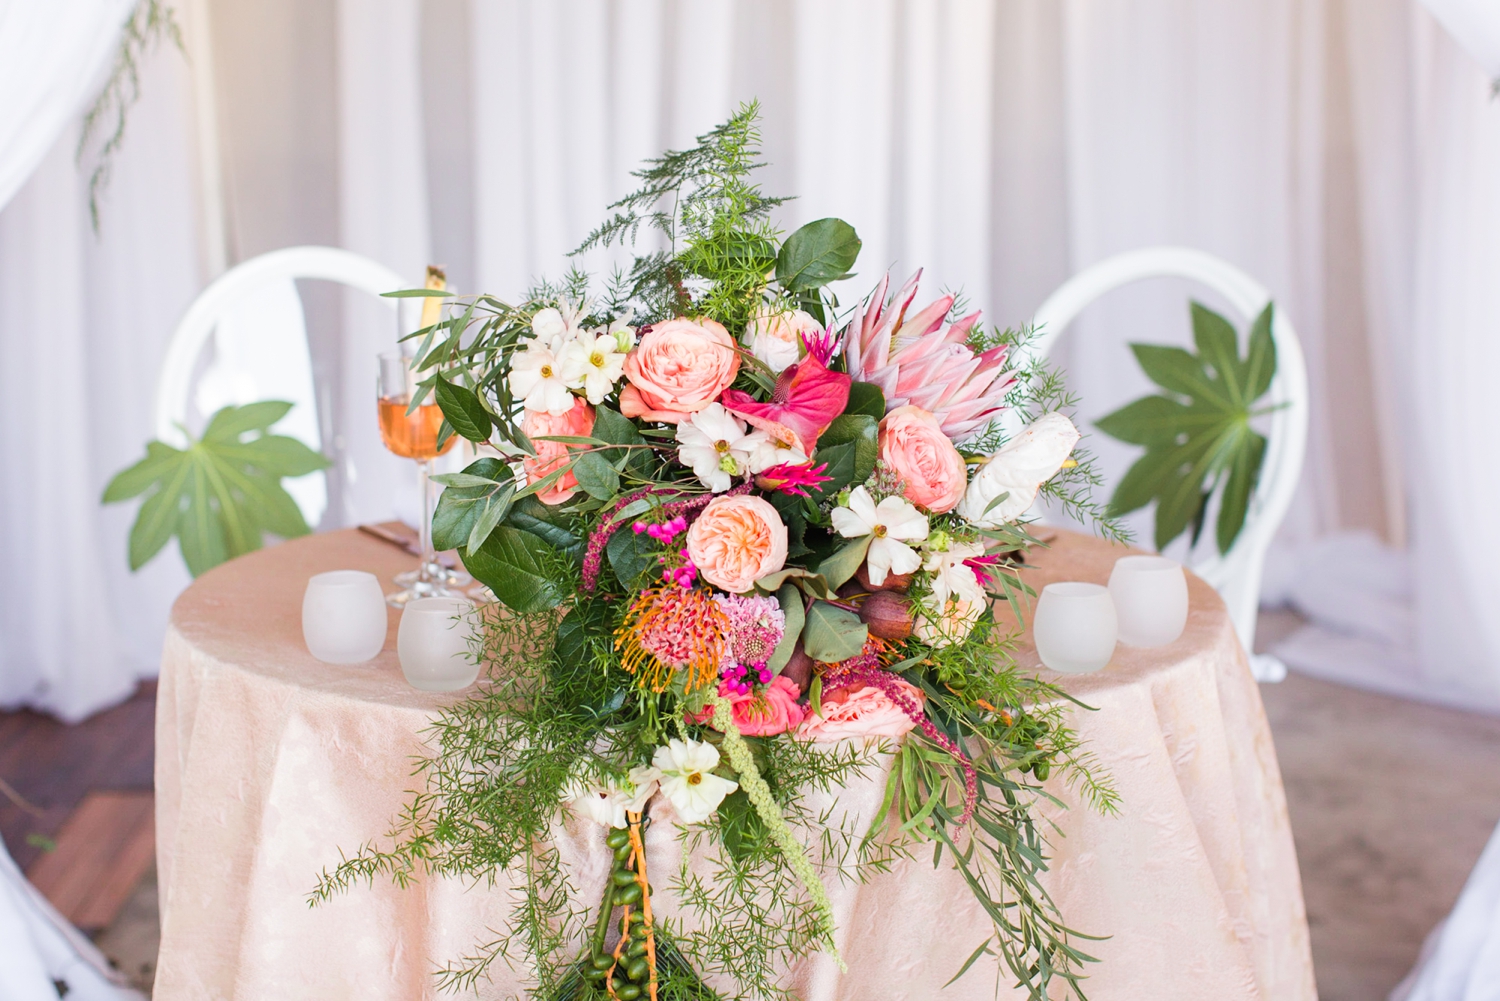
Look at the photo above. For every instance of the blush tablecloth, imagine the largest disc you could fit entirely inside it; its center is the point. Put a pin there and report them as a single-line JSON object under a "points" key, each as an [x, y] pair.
{"points": [[269, 763]]}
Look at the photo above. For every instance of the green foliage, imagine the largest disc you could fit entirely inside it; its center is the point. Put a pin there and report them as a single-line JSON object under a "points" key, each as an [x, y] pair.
{"points": [[1040, 389], [831, 633], [820, 252], [150, 22], [513, 564], [1009, 724], [1197, 432], [716, 221], [219, 494], [472, 504]]}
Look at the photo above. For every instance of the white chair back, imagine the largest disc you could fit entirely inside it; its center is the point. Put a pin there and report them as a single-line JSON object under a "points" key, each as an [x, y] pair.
{"points": [[1236, 574], [254, 314]]}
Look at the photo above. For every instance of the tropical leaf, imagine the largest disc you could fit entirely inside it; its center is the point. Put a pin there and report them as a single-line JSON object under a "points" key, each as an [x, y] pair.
{"points": [[1197, 433], [219, 495]]}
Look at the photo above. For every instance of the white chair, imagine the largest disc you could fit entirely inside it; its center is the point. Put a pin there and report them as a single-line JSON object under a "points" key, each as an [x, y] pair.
{"points": [[254, 313], [1236, 574]]}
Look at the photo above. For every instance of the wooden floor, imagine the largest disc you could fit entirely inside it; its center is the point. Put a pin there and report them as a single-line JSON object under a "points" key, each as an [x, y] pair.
{"points": [[79, 822]]}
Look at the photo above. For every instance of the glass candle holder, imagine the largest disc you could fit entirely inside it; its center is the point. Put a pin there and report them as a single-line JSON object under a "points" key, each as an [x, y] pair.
{"points": [[435, 643], [344, 616], [1074, 627], [1151, 599]]}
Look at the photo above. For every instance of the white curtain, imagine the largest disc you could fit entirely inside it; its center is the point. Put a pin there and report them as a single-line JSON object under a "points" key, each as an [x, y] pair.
{"points": [[84, 320], [51, 58], [1422, 624]]}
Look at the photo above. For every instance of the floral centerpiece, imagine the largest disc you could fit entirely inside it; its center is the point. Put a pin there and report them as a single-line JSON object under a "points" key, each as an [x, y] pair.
{"points": [[746, 546]]}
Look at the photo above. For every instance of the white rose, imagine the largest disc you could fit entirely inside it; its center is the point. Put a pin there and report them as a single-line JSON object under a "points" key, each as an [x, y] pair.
{"points": [[775, 337], [1026, 462]]}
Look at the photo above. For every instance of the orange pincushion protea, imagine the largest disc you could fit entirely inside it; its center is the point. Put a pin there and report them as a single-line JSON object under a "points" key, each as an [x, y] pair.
{"points": [[671, 629]]}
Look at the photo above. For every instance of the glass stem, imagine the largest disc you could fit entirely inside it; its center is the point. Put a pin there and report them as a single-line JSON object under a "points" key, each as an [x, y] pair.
{"points": [[424, 529]]}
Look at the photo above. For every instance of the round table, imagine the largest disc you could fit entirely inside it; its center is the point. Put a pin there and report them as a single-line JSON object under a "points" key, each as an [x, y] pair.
{"points": [[269, 763]]}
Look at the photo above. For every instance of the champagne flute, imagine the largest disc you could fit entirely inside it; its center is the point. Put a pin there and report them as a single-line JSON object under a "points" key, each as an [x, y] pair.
{"points": [[412, 433]]}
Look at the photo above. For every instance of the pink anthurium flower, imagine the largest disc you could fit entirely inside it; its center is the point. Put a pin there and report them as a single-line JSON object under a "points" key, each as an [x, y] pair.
{"points": [[805, 401]]}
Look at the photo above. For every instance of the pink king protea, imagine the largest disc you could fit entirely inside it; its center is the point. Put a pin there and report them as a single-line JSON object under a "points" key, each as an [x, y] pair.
{"points": [[915, 361]]}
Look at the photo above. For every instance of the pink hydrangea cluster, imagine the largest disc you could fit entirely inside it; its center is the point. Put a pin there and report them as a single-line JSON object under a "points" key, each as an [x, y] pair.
{"points": [[756, 625]]}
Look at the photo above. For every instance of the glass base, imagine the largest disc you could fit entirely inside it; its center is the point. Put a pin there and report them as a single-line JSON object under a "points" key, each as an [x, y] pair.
{"points": [[432, 580]]}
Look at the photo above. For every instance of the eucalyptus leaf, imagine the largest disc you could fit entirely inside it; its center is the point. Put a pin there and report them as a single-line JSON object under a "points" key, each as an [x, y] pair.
{"points": [[832, 634], [480, 495], [463, 410], [1197, 433], [596, 476], [793, 607], [845, 561]]}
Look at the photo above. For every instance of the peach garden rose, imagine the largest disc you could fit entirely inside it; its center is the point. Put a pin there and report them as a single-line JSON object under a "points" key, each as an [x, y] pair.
{"points": [[859, 711], [678, 368], [550, 455], [913, 444], [737, 540]]}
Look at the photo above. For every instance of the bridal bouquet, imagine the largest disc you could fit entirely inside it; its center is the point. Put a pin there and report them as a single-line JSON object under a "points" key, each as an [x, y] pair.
{"points": [[746, 546]]}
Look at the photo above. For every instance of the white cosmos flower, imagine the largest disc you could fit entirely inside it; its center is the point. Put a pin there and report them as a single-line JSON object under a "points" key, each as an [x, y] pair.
{"points": [[593, 363], [715, 446], [943, 622], [950, 577], [536, 379], [608, 804], [687, 779], [894, 522], [1026, 462], [767, 451]]}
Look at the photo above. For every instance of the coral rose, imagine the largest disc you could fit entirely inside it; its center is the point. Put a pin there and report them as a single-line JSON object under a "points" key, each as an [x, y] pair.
{"points": [[736, 541], [859, 711], [912, 443], [765, 713], [551, 454], [678, 368]]}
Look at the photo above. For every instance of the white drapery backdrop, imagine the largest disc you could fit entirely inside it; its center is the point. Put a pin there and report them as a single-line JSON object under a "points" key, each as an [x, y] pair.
{"points": [[84, 320]]}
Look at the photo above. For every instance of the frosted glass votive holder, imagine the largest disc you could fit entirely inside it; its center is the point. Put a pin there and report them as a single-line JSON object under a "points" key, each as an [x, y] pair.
{"points": [[343, 616], [434, 643], [1074, 627], [1151, 599]]}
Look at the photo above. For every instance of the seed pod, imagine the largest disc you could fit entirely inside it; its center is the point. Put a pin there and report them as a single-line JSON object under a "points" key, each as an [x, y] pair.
{"points": [[799, 669], [623, 877], [603, 961], [627, 992], [627, 894], [617, 837], [888, 614], [892, 582], [594, 973], [637, 948], [638, 969], [623, 852]]}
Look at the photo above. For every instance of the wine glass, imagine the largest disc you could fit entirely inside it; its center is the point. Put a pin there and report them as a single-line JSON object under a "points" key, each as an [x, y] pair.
{"points": [[412, 433]]}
